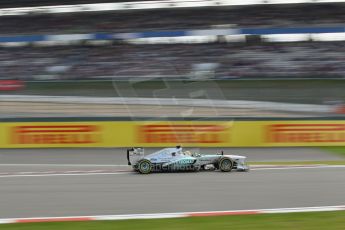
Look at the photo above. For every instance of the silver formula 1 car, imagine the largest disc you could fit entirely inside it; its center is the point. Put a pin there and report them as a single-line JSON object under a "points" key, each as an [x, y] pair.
{"points": [[175, 159]]}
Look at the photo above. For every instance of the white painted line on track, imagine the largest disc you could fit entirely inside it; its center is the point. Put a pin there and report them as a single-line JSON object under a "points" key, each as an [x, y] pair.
{"points": [[63, 174], [66, 165], [299, 167], [306, 209], [256, 167], [172, 215], [123, 172], [276, 210]]}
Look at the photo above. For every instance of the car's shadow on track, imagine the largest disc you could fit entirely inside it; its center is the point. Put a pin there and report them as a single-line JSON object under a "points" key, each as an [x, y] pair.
{"points": [[190, 172]]}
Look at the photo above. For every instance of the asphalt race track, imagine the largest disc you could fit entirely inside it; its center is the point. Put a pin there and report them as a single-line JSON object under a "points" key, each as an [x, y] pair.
{"points": [[118, 155], [42, 183]]}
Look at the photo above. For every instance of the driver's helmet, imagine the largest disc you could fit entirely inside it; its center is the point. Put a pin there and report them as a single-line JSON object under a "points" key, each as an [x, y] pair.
{"points": [[187, 153]]}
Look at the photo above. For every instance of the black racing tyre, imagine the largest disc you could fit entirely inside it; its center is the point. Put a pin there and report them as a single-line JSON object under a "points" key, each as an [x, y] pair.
{"points": [[144, 166], [196, 168], [225, 164]]}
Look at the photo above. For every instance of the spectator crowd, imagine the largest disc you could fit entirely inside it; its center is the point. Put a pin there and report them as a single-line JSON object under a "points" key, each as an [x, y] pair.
{"points": [[221, 60], [218, 60], [175, 19]]}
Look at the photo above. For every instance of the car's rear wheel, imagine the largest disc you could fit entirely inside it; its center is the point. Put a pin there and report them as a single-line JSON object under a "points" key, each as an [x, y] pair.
{"points": [[225, 164], [144, 166]]}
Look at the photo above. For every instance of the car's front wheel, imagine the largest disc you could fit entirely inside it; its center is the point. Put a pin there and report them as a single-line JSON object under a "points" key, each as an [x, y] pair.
{"points": [[225, 164], [196, 168], [144, 166]]}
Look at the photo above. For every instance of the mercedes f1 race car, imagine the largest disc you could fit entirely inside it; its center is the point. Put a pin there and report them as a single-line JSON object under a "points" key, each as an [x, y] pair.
{"points": [[175, 159]]}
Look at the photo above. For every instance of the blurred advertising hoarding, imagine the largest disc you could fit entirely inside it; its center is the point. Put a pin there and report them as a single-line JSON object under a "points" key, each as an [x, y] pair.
{"points": [[11, 85], [166, 134], [183, 133], [75, 134]]}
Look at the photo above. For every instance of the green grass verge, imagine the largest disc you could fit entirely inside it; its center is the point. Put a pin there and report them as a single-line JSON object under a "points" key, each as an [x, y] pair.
{"points": [[340, 162], [339, 150], [301, 221]]}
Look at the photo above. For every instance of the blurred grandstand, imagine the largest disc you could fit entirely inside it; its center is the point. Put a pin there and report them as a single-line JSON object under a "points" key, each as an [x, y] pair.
{"points": [[177, 40], [176, 19], [222, 61], [28, 3], [45, 51]]}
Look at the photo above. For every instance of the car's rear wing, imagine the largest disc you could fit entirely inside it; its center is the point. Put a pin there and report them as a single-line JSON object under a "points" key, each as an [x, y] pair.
{"points": [[134, 155]]}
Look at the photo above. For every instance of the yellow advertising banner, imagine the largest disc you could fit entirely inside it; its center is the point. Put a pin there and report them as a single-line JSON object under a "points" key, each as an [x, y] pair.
{"points": [[171, 133], [51, 134]]}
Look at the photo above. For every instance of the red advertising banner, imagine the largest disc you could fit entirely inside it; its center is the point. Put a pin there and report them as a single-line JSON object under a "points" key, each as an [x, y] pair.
{"points": [[11, 85]]}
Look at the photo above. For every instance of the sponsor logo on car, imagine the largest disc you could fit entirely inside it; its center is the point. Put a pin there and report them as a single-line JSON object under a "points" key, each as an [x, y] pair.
{"points": [[55, 134], [205, 133], [186, 161], [303, 133]]}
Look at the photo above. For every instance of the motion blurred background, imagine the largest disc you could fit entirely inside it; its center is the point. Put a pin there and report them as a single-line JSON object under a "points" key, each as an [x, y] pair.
{"points": [[82, 80], [250, 53]]}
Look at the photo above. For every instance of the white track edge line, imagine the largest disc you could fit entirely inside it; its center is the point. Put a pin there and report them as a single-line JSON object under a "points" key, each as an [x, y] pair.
{"points": [[173, 215], [69, 173], [66, 165], [254, 166], [64, 174], [300, 167]]}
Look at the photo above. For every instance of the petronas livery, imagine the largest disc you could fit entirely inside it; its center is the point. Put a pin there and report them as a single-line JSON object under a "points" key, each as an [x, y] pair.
{"points": [[175, 159]]}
